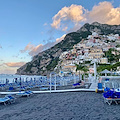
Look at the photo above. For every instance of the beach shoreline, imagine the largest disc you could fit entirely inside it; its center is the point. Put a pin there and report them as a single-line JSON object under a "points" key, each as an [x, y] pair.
{"points": [[60, 106]]}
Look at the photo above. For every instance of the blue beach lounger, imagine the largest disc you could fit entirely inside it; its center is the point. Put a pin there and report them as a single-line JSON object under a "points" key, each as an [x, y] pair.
{"points": [[76, 84], [29, 92], [4, 100], [111, 96], [23, 94], [44, 88], [11, 98], [11, 89]]}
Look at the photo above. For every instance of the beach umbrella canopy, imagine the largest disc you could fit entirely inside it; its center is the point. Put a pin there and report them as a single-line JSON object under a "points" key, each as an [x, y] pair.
{"points": [[106, 72]]}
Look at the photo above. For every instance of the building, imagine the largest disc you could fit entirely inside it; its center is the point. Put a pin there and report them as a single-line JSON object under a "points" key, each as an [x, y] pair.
{"points": [[95, 53], [104, 60]]}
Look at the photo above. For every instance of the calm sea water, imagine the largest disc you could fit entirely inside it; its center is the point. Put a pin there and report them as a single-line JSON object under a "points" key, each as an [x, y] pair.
{"points": [[11, 78]]}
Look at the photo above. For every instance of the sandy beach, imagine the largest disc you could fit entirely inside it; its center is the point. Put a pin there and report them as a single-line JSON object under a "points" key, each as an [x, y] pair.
{"points": [[60, 106]]}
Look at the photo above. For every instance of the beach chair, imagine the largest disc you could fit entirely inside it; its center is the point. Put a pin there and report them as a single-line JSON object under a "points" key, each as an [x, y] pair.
{"points": [[111, 96], [11, 98], [76, 84], [44, 88], [111, 100], [23, 88], [23, 94], [11, 89], [5, 100], [29, 92]]}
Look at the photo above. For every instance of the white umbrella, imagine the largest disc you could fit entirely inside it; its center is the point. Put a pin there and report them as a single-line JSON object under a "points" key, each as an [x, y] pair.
{"points": [[106, 72]]}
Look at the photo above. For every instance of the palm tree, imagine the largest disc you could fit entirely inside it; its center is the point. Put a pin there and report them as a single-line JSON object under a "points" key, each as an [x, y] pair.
{"points": [[81, 67]]}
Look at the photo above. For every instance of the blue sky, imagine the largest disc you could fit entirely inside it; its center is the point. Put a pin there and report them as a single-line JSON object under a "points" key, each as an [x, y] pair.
{"points": [[29, 26]]}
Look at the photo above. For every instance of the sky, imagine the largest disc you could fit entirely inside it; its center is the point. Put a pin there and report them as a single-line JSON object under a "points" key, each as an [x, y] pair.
{"points": [[28, 27]]}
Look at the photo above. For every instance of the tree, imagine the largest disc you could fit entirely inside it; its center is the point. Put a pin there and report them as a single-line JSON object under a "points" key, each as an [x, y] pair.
{"points": [[81, 67]]}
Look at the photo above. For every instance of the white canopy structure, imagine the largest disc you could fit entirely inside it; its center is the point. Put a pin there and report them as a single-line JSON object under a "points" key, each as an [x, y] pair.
{"points": [[105, 72]]}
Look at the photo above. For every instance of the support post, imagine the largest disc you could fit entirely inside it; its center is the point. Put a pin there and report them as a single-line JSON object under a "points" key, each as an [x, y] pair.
{"points": [[95, 71], [74, 79], [50, 82], [55, 81]]}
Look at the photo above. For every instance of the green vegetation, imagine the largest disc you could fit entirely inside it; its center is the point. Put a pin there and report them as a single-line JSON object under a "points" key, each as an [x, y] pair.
{"points": [[111, 57], [70, 40], [87, 62], [108, 67], [81, 67], [118, 46], [52, 64], [28, 68], [103, 67]]}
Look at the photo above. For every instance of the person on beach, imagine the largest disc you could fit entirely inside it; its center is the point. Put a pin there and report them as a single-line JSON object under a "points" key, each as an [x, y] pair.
{"points": [[15, 80], [81, 82], [100, 79], [20, 81], [7, 81]]}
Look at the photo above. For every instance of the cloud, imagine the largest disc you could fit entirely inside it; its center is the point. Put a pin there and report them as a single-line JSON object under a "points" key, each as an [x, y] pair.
{"points": [[60, 39], [74, 13], [71, 18], [1, 60], [34, 50], [7, 70], [0, 46], [104, 12], [1, 64], [65, 28], [28, 48], [45, 24], [15, 64]]}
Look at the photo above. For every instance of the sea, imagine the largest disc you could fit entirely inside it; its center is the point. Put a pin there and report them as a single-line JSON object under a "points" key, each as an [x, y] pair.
{"points": [[12, 77]]}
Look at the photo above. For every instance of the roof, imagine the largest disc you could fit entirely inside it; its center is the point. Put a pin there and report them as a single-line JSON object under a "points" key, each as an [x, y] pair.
{"points": [[105, 71], [69, 66]]}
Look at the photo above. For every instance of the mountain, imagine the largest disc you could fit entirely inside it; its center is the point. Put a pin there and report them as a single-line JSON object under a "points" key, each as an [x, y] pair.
{"points": [[45, 62]]}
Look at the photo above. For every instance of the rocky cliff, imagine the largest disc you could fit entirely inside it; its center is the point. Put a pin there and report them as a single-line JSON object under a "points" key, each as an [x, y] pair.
{"points": [[45, 62]]}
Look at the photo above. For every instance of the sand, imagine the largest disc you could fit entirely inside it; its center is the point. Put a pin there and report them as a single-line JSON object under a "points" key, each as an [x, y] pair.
{"points": [[60, 106]]}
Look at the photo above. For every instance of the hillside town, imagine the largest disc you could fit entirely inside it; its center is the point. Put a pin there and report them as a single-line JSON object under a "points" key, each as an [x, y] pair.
{"points": [[89, 49]]}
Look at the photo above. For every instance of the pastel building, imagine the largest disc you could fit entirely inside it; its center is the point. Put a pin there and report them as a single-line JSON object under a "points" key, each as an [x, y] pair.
{"points": [[95, 53]]}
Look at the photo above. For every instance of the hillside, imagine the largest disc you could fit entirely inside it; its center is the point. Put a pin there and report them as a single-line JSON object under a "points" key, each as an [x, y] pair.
{"points": [[45, 62]]}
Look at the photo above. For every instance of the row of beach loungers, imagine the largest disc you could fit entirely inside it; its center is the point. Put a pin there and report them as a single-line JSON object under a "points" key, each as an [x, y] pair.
{"points": [[8, 99], [38, 83], [111, 96]]}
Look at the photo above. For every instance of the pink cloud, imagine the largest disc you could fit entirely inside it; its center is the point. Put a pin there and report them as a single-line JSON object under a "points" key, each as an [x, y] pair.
{"points": [[74, 13], [14, 64], [103, 12], [34, 50]]}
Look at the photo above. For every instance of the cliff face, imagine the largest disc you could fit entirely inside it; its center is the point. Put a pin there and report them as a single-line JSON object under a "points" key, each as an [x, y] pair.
{"points": [[102, 29], [45, 62]]}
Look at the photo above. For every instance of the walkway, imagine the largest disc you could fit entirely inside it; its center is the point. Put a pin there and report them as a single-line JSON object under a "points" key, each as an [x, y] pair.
{"points": [[56, 91], [94, 86]]}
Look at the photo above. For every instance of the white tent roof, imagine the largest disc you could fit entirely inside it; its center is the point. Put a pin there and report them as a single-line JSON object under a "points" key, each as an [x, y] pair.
{"points": [[105, 71]]}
